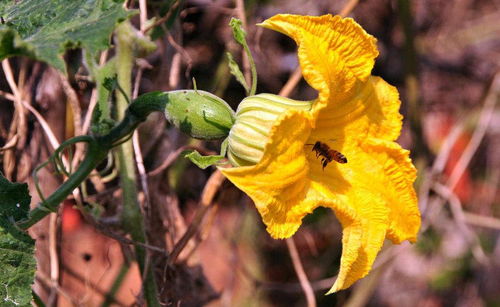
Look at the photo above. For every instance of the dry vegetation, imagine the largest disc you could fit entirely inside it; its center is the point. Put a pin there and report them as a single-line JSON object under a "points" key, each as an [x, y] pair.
{"points": [[452, 125]]}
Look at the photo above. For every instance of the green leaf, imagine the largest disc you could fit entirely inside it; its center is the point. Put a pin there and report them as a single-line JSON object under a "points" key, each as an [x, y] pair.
{"points": [[238, 32], [239, 35], [236, 72], [14, 199], [17, 262], [17, 270], [101, 119], [201, 161], [224, 146], [45, 29], [110, 83]]}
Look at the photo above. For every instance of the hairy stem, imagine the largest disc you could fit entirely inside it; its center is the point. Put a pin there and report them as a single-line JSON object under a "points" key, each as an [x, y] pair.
{"points": [[132, 218]]}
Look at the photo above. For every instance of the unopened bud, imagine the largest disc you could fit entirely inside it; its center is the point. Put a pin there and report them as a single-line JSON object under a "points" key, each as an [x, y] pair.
{"points": [[199, 114]]}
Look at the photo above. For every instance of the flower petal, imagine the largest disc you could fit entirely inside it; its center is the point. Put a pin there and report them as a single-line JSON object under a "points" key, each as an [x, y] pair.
{"points": [[360, 245], [375, 199], [334, 52], [404, 215], [278, 184], [372, 112]]}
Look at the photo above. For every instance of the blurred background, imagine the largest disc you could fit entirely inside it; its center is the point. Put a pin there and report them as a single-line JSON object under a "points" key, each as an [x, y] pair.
{"points": [[443, 56]]}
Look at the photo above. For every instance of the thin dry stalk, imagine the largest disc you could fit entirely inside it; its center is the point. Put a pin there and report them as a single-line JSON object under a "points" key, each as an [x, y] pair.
{"points": [[479, 132], [438, 166], [209, 192], [141, 170], [18, 126], [185, 55], [21, 128], [163, 19], [44, 279], [48, 132], [203, 233], [90, 110], [143, 9], [102, 228], [54, 262], [74, 104], [291, 83], [93, 98], [175, 68], [458, 216], [53, 253], [348, 7], [301, 274], [11, 143], [43, 123], [85, 281], [173, 156], [240, 12], [482, 221], [135, 141]]}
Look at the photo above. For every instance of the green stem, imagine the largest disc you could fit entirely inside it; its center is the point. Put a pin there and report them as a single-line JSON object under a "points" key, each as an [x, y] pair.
{"points": [[132, 218], [92, 158], [252, 68], [97, 149]]}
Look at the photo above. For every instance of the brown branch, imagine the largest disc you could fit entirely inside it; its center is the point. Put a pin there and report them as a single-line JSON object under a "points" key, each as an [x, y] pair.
{"points": [[484, 121], [348, 7], [301, 274], [211, 188], [458, 215], [164, 18]]}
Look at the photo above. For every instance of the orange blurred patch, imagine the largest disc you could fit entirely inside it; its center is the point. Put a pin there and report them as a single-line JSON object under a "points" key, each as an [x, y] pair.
{"points": [[71, 218]]}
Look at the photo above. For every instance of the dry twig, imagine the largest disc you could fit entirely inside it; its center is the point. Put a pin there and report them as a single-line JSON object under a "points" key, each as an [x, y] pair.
{"points": [[299, 269], [172, 156], [212, 186], [44, 279], [458, 216], [484, 121]]}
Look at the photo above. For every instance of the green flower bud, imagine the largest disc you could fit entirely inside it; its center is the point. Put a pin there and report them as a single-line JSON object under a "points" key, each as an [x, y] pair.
{"points": [[254, 119], [199, 114]]}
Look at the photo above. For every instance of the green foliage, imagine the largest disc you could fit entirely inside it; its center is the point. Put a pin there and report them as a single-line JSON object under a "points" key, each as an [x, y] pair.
{"points": [[429, 241], [17, 262], [14, 199], [201, 161], [455, 272], [101, 124], [236, 71], [103, 73], [45, 29], [17, 270], [238, 33], [14, 206], [224, 146]]}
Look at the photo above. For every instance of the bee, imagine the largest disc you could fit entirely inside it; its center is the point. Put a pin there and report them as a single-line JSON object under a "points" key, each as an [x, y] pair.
{"points": [[327, 154]]}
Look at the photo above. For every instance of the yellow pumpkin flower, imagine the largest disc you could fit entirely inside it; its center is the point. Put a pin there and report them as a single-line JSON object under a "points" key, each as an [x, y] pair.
{"points": [[356, 114]]}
